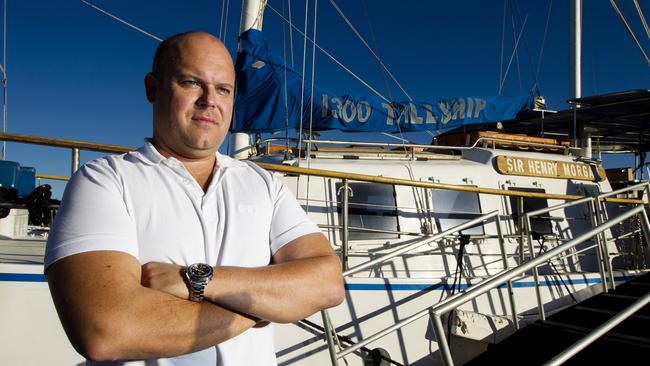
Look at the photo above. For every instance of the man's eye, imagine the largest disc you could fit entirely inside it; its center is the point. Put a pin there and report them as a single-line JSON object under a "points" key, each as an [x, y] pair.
{"points": [[224, 90], [190, 83]]}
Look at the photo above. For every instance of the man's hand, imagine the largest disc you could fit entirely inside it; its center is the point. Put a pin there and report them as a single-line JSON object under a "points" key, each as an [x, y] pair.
{"points": [[165, 277]]}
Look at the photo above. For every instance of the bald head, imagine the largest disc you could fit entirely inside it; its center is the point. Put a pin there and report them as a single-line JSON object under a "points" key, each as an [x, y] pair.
{"points": [[170, 51]]}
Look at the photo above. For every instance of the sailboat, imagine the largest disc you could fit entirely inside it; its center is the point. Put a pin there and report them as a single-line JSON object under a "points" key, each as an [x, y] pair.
{"points": [[447, 248]]}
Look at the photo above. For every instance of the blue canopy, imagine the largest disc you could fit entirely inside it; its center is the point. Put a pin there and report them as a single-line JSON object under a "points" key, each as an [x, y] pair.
{"points": [[260, 102]]}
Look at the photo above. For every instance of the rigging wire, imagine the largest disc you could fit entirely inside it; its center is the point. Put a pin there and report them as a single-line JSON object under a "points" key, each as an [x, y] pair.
{"points": [[290, 32], [225, 21], [528, 53], [376, 46], [514, 36], [332, 58], [223, 12], [629, 30], [642, 17], [541, 51], [514, 51], [356, 32], [122, 21], [503, 42]]}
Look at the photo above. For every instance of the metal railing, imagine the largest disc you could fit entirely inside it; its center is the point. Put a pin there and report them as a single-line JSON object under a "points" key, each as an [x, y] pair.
{"points": [[506, 277], [329, 329], [493, 282]]}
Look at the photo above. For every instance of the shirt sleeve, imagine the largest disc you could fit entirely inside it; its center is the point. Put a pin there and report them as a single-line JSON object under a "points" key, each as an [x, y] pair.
{"points": [[289, 220], [93, 215]]}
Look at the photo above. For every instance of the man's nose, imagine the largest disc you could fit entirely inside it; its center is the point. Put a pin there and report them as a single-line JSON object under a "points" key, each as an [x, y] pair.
{"points": [[207, 98]]}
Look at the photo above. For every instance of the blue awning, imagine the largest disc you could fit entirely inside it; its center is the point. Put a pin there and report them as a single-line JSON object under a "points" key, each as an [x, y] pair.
{"points": [[264, 100]]}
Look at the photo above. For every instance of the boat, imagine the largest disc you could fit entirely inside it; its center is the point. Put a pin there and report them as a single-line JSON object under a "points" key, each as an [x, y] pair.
{"points": [[447, 247]]}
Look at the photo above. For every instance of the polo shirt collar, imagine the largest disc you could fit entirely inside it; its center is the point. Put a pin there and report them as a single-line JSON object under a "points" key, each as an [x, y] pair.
{"points": [[150, 155]]}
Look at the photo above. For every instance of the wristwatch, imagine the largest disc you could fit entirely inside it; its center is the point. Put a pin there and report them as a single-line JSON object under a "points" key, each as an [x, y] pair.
{"points": [[197, 276]]}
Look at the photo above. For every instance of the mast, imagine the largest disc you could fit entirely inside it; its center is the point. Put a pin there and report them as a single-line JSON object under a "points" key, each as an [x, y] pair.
{"points": [[4, 76], [575, 73], [251, 17]]}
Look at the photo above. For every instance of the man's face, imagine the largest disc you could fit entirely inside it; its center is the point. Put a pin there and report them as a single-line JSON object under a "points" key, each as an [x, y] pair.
{"points": [[193, 99]]}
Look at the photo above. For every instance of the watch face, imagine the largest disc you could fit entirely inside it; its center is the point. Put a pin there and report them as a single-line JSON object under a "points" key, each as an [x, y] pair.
{"points": [[199, 270]]}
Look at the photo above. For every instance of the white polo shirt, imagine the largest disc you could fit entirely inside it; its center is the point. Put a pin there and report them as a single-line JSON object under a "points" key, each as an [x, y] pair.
{"points": [[149, 206]]}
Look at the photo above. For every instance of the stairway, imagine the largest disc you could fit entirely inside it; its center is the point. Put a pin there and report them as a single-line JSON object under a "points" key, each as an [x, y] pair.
{"points": [[539, 342]]}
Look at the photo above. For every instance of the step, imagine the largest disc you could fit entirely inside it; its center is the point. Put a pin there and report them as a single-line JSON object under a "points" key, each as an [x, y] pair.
{"points": [[538, 343]]}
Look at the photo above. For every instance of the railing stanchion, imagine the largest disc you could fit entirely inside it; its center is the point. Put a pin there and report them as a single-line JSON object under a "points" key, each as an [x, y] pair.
{"points": [[600, 240], [511, 295], [329, 336], [346, 224], [441, 337], [75, 160], [538, 293]]}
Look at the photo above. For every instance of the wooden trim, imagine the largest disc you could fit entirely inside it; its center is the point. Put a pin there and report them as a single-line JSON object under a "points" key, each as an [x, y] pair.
{"points": [[414, 183]]}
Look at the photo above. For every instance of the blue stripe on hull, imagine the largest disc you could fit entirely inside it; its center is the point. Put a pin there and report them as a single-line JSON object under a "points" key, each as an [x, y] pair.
{"points": [[32, 277], [447, 287], [22, 277]]}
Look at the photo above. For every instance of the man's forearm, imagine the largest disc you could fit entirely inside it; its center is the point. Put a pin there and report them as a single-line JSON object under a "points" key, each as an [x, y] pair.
{"points": [[109, 315], [282, 293]]}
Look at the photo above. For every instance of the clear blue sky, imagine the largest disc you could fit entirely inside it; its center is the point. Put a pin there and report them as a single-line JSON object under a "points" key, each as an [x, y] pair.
{"points": [[75, 73]]}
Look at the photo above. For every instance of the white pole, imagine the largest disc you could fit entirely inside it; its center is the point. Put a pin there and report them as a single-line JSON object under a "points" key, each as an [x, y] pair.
{"points": [[251, 17], [575, 72]]}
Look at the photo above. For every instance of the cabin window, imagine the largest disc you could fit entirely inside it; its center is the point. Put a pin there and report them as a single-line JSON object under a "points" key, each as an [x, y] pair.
{"points": [[371, 207], [452, 208], [541, 224]]}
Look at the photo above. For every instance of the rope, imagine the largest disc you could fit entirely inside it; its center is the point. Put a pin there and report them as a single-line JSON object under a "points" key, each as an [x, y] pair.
{"points": [[642, 17], [332, 58], [629, 30], [122, 21], [381, 63]]}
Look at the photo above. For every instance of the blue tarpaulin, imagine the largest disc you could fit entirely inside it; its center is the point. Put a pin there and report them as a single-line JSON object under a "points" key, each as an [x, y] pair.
{"points": [[264, 100]]}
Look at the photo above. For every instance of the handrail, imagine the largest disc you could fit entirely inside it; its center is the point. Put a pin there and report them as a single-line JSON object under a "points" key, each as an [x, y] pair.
{"points": [[403, 145], [91, 146], [56, 142], [497, 280], [414, 183], [599, 332]]}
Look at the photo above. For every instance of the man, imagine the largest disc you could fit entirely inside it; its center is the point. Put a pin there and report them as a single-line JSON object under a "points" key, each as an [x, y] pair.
{"points": [[129, 226]]}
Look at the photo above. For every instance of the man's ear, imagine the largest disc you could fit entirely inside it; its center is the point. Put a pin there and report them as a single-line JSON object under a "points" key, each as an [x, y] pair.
{"points": [[150, 87]]}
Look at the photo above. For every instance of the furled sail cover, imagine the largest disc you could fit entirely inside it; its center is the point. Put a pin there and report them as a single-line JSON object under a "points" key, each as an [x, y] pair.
{"points": [[260, 102]]}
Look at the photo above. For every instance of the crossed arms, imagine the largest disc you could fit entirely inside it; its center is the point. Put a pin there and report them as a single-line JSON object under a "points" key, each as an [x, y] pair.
{"points": [[113, 308]]}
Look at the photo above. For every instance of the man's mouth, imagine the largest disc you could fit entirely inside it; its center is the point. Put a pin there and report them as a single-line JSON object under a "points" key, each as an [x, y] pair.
{"points": [[204, 119]]}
